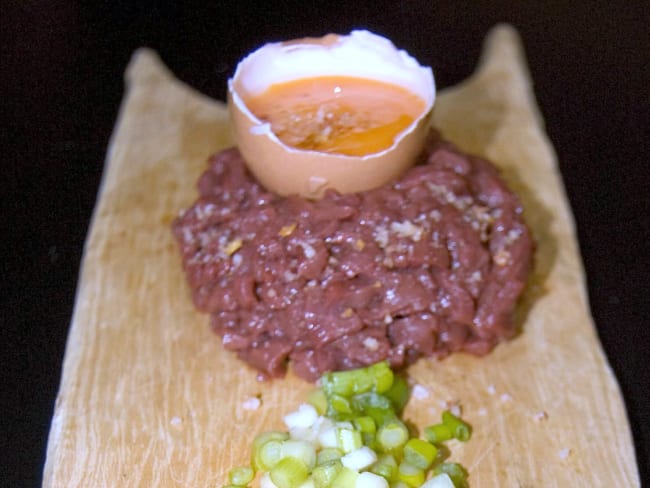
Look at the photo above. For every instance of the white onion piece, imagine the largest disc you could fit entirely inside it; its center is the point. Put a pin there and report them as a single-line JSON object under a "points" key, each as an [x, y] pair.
{"points": [[359, 458], [440, 481], [303, 450], [303, 434], [304, 417], [370, 480], [265, 481], [329, 437]]}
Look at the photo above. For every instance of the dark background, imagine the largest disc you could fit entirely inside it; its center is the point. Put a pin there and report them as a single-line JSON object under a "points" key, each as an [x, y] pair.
{"points": [[61, 68]]}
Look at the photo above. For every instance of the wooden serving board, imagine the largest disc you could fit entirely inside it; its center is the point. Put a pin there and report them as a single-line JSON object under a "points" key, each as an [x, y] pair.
{"points": [[150, 398]]}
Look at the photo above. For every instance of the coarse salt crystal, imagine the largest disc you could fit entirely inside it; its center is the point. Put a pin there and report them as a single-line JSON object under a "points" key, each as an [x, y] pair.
{"points": [[420, 392], [541, 415], [176, 420], [506, 398], [307, 249], [564, 453], [453, 406], [491, 389], [252, 403], [456, 409], [371, 343], [407, 229], [381, 236]]}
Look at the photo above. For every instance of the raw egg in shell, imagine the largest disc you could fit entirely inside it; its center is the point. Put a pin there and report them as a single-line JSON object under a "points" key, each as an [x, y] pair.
{"points": [[344, 112]]}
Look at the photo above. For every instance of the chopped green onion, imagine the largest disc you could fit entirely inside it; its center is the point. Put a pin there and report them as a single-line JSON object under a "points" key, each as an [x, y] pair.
{"points": [[273, 435], [290, 472], [455, 471], [346, 478], [460, 429], [241, 475], [328, 454], [259, 441], [392, 435], [419, 453], [267, 455], [349, 435], [398, 394], [386, 466], [338, 405], [377, 377], [371, 400], [349, 439], [303, 450], [383, 376], [368, 428], [365, 424], [438, 433], [409, 474], [344, 424], [324, 474], [386, 471]]}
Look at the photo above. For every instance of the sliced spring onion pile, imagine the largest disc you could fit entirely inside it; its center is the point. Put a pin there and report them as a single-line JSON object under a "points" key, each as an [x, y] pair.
{"points": [[350, 435]]}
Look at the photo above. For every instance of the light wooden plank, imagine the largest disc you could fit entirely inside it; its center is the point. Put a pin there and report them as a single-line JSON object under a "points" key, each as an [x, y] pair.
{"points": [[148, 396]]}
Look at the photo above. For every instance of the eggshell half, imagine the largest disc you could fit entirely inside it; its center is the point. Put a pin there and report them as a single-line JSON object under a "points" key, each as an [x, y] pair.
{"points": [[287, 170]]}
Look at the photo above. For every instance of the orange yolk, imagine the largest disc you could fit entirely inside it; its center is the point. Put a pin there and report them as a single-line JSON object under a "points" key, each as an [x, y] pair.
{"points": [[337, 114]]}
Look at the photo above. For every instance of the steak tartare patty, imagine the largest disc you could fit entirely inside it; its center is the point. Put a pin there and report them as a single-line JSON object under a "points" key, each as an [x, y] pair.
{"points": [[427, 265]]}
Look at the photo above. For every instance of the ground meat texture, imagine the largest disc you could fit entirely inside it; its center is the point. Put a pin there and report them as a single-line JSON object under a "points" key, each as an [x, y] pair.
{"points": [[427, 265]]}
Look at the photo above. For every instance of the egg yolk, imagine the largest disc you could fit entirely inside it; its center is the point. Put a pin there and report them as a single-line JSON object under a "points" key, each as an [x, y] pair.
{"points": [[337, 114]]}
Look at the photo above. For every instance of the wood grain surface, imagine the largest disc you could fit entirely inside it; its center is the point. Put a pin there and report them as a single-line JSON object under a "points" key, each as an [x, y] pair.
{"points": [[149, 397]]}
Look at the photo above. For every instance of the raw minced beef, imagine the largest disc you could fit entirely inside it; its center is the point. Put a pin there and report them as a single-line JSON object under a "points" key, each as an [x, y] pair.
{"points": [[427, 265]]}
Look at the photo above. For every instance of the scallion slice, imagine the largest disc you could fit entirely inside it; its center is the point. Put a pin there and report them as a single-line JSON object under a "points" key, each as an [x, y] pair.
{"points": [[377, 377], [241, 475], [324, 474], [273, 435], [349, 439], [339, 404], [290, 472], [420, 453], [455, 471], [267, 455], [398, 393], [460, 429], [365, 424], [409, 474], [328, 454], [303, 450], [392, 435], [385, 466], [438, 433], [346, 478]]}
